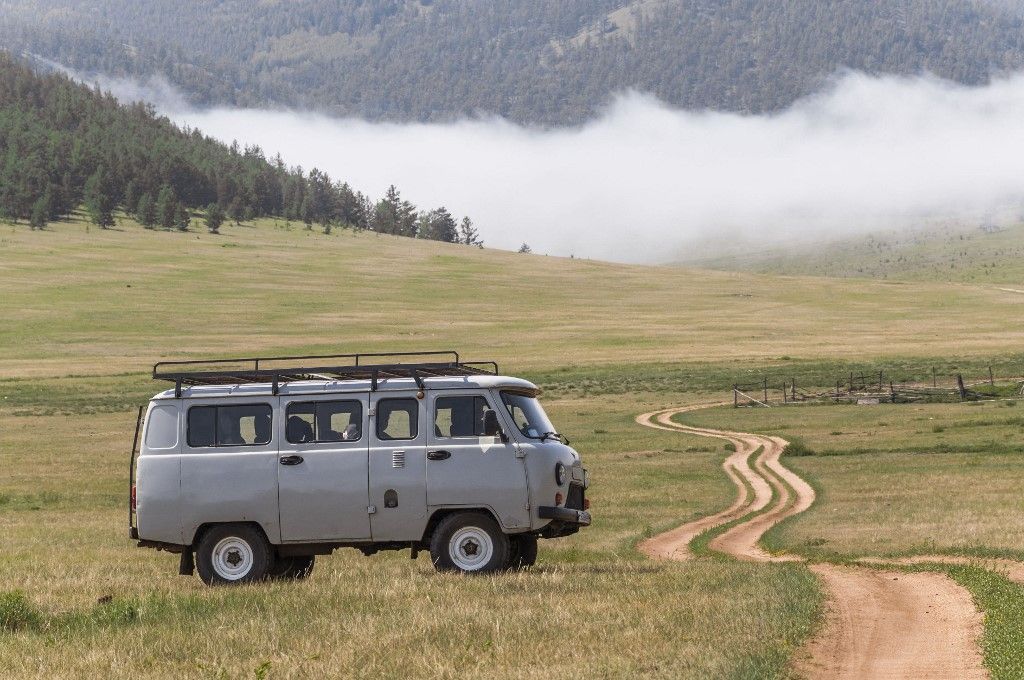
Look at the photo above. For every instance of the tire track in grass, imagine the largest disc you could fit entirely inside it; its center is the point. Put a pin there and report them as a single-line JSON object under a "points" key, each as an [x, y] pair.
{"points": [[878, 623]]}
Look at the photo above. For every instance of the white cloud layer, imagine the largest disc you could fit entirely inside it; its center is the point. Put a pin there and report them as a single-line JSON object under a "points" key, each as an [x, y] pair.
{"points": [[643, 180]]}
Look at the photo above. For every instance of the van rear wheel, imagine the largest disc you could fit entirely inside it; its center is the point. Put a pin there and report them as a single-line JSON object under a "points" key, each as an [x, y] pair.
{"points": [[297, 567], [470, 542], [229, 554]]}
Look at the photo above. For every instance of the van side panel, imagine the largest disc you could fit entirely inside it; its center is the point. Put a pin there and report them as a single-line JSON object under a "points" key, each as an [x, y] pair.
{"points": [[228, 483], [236, 486]]}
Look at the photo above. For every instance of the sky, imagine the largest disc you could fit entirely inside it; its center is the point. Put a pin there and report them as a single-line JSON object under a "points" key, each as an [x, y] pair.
{"points": [[644, 182]]}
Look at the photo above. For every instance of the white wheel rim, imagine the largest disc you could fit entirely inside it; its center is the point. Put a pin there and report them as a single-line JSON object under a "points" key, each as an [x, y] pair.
{"points": [[470, 548], [232, 558]]}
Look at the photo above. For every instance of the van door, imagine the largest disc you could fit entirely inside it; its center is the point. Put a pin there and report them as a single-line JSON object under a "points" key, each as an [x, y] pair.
{"points": [[397, 466], [322, 468], [465, 468]]}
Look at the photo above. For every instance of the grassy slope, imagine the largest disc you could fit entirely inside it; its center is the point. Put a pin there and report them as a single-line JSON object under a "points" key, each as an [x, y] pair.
{"points": [[593, 608], [937, 253]]}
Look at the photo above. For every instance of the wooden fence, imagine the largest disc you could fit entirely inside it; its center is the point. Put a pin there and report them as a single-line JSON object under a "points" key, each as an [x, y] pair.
{"points": [[875, 388]]}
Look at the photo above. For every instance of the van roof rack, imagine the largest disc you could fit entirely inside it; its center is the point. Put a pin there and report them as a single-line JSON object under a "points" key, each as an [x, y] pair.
{"points": [[277, 370]]}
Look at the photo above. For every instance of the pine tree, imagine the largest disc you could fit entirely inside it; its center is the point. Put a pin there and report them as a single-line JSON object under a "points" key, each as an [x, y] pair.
{"points": [[439, 225], [182, 218], [237, 210], [131, 197], [99, 202], [166, 207], [214, 218], [468, 234], [40, 213], [525, 249], [146, 211]]}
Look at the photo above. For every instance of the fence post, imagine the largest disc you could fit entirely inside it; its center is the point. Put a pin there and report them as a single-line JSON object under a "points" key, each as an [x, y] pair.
{"points": [[991, 378], [794, 389], [879, 381], [735, 396], [960, 386], [892, 392], [766, 389], [935, 382], [851, 381], [783, 391]]}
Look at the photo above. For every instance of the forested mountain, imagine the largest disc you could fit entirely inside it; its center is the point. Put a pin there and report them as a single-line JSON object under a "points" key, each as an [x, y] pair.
{"points": [[537, 62], [63, 145]]}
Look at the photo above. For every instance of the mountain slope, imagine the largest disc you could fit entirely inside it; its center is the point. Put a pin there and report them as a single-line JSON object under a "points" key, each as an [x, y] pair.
{"points": [[549, 63]]}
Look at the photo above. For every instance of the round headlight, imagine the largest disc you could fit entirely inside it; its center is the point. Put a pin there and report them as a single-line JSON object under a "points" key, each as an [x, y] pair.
{"points": [[560, 474]]}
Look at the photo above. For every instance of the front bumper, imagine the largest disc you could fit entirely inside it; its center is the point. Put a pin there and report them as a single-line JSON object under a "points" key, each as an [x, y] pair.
{"points": [[567, 515]]}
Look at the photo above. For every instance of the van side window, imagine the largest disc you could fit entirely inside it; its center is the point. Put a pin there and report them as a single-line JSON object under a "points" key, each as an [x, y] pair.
{"points": [[324, 421], [397, 418], [239, 425], [459, 416]]}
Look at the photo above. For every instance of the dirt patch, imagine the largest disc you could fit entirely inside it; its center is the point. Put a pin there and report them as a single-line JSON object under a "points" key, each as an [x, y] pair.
{"points": [[884, 624]]}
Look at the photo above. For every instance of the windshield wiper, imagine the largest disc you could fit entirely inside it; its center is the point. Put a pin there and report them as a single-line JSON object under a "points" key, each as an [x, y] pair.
{"points": [[554, 435]]}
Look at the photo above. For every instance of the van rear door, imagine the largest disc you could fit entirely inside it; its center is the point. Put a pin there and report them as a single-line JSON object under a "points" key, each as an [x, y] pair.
{"points": [[322, 470]]}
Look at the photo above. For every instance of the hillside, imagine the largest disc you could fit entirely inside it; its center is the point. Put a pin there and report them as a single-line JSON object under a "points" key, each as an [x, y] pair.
{"points": [[940, 252], [325, 292], [548, 63], [63, 145]]}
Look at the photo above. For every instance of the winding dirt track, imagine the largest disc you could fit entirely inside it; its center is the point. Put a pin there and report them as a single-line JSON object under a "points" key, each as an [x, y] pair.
{"points": [[879, 624]]}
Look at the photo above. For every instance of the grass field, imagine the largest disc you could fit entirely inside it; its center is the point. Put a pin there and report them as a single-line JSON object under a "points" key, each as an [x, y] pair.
{"points": [[86, 313]]}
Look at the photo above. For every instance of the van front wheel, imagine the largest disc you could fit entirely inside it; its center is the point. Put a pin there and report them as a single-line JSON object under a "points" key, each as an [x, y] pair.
{"points": [[232, 553], [524, 552], [298, 567], [470, 542]]}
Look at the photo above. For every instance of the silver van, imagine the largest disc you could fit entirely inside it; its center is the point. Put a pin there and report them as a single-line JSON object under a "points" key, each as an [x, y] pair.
{"points": [[249, 468]]}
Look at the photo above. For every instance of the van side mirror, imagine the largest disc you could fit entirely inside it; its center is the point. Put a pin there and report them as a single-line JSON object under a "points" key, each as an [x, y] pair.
{"points": [[491, 426]]}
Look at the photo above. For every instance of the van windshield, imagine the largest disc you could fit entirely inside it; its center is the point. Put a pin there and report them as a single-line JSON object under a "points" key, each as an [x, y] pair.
{"points": [[528, 415]]}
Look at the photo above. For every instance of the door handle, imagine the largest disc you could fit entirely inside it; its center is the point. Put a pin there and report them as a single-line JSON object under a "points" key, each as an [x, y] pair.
{"points": [[438, 455], [291, 460]]}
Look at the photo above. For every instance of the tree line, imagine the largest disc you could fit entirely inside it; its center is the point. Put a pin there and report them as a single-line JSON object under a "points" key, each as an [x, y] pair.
{"points": [[64, 145]]}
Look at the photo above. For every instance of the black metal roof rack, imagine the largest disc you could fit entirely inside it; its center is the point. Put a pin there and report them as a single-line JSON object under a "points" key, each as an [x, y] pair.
{"points": [[277, 370]]}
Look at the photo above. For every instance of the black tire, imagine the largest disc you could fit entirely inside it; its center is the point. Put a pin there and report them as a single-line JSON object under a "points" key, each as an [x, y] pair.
{"points": [[296, 568], [523, 552], [230, 554], [469, 542]]}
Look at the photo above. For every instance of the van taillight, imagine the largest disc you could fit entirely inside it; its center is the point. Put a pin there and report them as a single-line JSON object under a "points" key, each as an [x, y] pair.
{"points": [[586, 504], [558, 498], [133, 496]]}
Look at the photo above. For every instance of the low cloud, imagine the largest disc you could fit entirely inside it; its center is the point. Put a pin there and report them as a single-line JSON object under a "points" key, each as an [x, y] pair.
{"points": [[643, 180]]}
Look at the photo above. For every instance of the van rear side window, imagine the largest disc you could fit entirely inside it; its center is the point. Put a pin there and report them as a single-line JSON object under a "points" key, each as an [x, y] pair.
{"points": [[324, 421], [238, 425]]}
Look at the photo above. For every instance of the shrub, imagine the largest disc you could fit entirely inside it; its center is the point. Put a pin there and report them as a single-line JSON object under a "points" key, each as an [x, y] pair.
{"points": [[17, 613]]}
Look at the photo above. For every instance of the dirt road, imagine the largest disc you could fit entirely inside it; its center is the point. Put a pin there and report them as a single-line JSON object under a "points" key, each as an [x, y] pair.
{"points": [[879, 624]]}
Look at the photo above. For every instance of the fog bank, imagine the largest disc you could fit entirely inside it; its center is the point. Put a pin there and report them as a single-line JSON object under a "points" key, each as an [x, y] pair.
{"points": [[643, 180]]}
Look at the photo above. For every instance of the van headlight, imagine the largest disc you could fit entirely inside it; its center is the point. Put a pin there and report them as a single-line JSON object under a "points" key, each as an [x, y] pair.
{"points": [[560, 474]]}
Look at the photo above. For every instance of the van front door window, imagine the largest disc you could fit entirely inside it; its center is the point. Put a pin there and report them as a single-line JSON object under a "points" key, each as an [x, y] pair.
{"points": [[528, 415]]}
